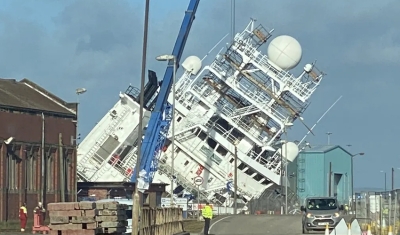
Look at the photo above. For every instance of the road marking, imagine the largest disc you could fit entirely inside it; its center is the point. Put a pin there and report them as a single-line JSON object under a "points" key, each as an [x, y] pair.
{"points": [[217, 222]]}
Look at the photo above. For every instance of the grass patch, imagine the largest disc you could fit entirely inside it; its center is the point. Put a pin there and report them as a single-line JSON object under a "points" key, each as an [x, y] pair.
{"points": [[196, 226], [11, 226], [193, 225]]}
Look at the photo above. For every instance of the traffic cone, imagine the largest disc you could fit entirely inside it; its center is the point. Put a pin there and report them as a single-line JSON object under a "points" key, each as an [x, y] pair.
{"points": [[327, 230], [348, 229], [390, 231], [369, 229]]}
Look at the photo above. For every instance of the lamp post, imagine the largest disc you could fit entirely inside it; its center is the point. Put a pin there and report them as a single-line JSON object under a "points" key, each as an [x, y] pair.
{"points": [[235, 178], [78, 91], [288, 124], [173, 59], [329, 137], [393, 169], [352, 178], [385, 179], [136, 196]]}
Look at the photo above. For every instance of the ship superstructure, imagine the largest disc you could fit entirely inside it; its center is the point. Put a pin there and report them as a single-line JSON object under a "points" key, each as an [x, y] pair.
{"points": [[237, 106]]}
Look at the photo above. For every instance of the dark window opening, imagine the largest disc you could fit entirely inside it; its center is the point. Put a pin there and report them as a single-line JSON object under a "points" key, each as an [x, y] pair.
{"points": [[241, 166], [249, 171], [186, 163], [167, 142], [179, 119], [221, 150], [211, 143], [258, 177], [202, 135], [232, 159]]}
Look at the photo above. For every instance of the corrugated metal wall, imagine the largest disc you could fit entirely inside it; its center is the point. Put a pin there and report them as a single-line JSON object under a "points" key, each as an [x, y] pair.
{"points": [[313, 174], [341, 174], [21, 162]]}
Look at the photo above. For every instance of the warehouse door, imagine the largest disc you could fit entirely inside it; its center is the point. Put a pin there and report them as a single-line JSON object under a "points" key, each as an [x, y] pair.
{"points": [[336, 182]]}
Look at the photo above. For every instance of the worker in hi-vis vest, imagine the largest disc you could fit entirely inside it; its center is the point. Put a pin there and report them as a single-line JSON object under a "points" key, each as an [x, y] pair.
{"points": [[23, 217], [207, 213]]}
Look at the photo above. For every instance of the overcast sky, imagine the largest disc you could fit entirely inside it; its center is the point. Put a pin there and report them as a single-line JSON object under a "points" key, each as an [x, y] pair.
{"points": [[63, 45]]}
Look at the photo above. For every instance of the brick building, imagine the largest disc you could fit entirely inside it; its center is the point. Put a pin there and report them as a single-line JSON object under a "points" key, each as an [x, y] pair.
{"points": [[37, 155]]}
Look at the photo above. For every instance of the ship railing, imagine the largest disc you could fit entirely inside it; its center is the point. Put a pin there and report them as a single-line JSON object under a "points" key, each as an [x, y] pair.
{"points": [[246, 110], [260, 98], [225, 133], [301, 88], [263, 101], [198, 90], [270, 163], [282, 75], [181, 180], [91, 155], [261, 61], [296, 84], [252, 131]]}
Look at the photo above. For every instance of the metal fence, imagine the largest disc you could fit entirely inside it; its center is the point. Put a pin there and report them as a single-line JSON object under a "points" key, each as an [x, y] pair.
{"points": [[379, 210], [272, 201]]}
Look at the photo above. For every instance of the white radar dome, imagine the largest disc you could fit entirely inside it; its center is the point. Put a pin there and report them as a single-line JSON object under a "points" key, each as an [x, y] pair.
{"points": [[285, 51], [192, 64], [292, 151]]}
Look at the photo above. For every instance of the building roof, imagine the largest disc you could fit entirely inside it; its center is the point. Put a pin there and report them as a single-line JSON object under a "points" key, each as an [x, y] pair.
{"points": [[27, 95], [323, 149]]}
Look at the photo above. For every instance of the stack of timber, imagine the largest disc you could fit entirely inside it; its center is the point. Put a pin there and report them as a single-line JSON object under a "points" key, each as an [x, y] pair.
{"points": [[87, 218], [161, 221]]}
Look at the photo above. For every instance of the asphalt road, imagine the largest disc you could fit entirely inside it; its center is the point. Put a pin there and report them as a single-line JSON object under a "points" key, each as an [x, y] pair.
{"points": [[257, 224]]}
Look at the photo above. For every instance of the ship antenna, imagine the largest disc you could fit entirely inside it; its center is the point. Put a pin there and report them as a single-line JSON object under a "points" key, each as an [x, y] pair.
{"points": [[301, 141], [215, 46]]}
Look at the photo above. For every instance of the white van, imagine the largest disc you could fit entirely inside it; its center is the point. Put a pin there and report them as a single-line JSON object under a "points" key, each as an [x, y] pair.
{"points": [[125, 201]]}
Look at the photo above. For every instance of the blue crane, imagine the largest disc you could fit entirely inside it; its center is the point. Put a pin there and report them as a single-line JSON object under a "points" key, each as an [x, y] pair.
{"points": [[161, 116]]}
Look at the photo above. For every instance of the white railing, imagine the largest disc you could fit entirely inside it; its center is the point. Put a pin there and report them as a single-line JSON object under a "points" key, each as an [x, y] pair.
{"points": [[257, 98], [284, 77], [103, 137], [245, 111]]}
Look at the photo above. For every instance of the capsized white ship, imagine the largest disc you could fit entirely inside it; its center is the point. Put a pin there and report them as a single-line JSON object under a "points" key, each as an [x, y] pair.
{"points": [[243, 99]]}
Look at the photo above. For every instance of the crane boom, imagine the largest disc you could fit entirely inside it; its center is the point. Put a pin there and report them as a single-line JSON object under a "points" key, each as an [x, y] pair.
{"points": [[161, 116]]}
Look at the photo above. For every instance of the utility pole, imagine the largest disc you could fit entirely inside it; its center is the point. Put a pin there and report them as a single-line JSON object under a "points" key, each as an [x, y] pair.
{"points": [[286, 175], [62, 168], [235, 183], [136, 196], [392, 178]]}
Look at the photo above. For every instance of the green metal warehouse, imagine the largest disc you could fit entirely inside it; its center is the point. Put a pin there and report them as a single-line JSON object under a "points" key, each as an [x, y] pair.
{"points": [[322, 171]]}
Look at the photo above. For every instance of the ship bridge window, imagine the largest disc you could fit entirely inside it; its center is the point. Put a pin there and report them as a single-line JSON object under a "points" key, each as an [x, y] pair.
{"points": [[221, 150], [212, 143], [258, 177], [201, 134], [241, 166], [249, 171], [167, 143]]}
